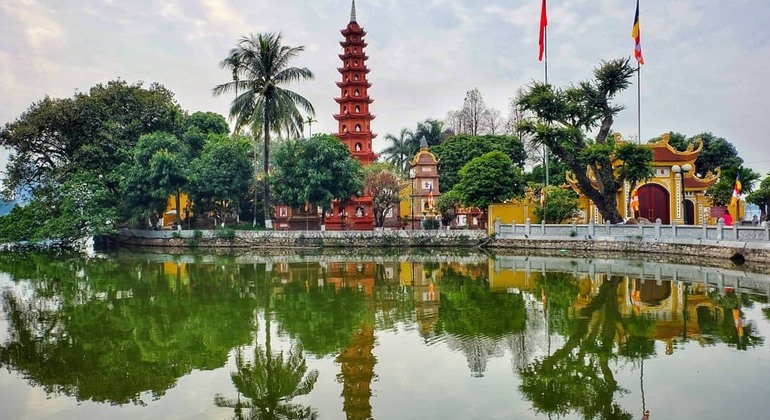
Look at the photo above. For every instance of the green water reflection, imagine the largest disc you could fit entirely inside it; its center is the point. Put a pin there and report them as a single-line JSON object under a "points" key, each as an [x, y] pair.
{"points": [[346, 336]]}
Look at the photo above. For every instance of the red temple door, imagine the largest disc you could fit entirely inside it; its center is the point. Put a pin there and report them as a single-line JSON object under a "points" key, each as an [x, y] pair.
{"points": [[654, 203]]}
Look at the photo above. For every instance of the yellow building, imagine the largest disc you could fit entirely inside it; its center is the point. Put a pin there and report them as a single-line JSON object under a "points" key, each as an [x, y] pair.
{"points": [[673, 194]]}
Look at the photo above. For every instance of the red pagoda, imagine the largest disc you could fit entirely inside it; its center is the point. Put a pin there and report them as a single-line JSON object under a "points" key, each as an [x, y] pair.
{"points": [[354, 128]]}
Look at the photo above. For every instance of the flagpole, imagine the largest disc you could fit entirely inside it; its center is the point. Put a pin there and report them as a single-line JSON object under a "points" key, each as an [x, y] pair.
{"points": [[545, 149], [638, 102]]}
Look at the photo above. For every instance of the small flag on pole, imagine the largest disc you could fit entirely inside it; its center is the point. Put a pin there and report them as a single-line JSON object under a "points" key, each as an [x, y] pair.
{"points": [[736, 190], [543, 24], [636, 34], [430, 196], [542, 197], [635, 200]]}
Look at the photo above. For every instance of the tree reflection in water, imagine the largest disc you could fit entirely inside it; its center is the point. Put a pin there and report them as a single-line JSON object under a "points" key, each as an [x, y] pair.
{"points": [[578, 375], [271, 379]]}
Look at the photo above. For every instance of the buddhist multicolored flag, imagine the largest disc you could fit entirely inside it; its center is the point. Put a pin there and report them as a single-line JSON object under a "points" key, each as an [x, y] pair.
{"points": [[636, 34], [543, 24], [736, 190], [635, 200], [542, 197], [430, 196]]}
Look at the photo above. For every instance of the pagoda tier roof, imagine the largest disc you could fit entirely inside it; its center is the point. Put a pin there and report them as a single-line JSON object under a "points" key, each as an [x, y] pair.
{"points": [[691, 182], [344, 70], [354, 83], [353, 29], [367, 117], [354, 99], [664, 153], [351, 56], [347, 43], [362, 134]]}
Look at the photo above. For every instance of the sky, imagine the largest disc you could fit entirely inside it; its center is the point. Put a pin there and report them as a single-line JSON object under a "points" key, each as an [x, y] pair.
{"points": [[707, 62]]}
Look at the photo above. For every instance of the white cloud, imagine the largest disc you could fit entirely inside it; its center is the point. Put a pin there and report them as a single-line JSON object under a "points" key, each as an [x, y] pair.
{"points": [[706, 61]]}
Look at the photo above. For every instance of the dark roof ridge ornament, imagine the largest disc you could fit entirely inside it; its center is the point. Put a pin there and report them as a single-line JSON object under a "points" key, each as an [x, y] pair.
{"points": [[353, 11], [423, 143]]}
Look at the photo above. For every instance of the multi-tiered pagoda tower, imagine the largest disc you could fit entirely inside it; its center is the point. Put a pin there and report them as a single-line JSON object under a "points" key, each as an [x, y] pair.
{"points": [[354, 119]]}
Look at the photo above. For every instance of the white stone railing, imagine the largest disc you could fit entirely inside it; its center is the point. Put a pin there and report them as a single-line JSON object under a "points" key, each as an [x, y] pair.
{"points": [[657, 231]]}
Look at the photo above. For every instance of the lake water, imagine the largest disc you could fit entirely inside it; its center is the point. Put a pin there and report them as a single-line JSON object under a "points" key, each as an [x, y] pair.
{"points": [[138, 334]]}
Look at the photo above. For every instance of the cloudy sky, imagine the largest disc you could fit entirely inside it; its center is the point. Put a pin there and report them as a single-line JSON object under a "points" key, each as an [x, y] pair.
{"points": [[707, 62]]}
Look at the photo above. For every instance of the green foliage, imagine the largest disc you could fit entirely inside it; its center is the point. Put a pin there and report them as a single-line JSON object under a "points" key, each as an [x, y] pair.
{"points": [[761, 197], [431, 224], [557, 172], [260, 70], [447, 206], [721, 193], [401, 149], [120, 331], [199, 126], [491, 178], [59, 145], [456, 151], [225, 233], [561, 119], [159, 170], [316, 171], [560, 206], [717, 152], [220, 178]]}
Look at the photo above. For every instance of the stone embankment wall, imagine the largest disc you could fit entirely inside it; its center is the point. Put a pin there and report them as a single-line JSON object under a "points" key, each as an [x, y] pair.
{"points": [[750, 243], [303, 239], [654, 241]]}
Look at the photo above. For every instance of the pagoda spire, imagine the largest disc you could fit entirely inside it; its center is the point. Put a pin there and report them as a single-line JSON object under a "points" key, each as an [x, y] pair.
{"points": [[353, 11]]}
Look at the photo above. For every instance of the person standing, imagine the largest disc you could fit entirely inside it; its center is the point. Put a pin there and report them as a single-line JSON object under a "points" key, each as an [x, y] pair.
{"points": [[728, 218]]}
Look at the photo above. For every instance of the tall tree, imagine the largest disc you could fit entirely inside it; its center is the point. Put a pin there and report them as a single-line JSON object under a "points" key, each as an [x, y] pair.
{"points": [[316, 171], [491, 178], [564, 117], [159, 170], [261, 68], [220, 177], [93, 131], [456, 151], [431, 130], [401, 149], [473, 112], [761, 197], [383, 185]]}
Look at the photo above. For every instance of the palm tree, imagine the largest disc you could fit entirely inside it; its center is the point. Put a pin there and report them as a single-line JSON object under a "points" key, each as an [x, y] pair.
{"points": [[402, 149], [431, 130], [260, 66]]}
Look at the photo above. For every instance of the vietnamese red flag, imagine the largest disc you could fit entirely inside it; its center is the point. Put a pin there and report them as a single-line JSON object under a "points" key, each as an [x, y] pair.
{"points": [[543, 24]]}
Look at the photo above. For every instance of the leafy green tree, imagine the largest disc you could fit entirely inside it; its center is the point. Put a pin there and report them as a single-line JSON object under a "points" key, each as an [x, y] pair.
{"points": [[491, 178], [59, 145], [158, 171], [199, 126], [447, 205], [721, 193], [562, 118], [383, 185], [431, 130], [316, 170], [220, 178], [456, 151], [560, 205], [761, 197], [260, 66], [401, 149], [557, 173]]}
